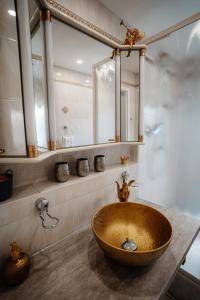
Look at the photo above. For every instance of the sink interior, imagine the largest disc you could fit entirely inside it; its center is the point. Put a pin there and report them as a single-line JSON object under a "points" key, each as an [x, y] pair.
{"points": [[141, 224]]}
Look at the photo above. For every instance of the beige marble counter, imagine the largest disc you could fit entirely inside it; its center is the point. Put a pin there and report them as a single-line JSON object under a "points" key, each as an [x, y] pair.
{"points": [[76, 268]]}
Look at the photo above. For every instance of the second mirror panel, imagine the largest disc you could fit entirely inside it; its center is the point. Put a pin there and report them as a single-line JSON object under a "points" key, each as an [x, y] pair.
{"points": [[129, 96], [39, 75], [84, 81]]}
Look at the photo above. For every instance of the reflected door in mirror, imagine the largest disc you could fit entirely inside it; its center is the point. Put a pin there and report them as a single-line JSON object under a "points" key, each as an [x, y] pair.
{"points": [[129, 96]]}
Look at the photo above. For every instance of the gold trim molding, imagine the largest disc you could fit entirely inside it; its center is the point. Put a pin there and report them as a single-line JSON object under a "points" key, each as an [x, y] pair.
{"points": [[45, 15], [141, 138], [68, 13], [117, 52], [36, 57], [32, 151], [52, 145], [142, 52], [130, 84], [117, 139]]}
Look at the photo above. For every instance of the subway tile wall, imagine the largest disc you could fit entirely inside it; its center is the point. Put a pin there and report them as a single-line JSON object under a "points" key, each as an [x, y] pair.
{"points": [[73, 202]]}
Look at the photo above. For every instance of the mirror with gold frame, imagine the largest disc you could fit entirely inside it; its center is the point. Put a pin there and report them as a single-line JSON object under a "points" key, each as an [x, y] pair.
{"points": [[39, 75], [84, 88]]}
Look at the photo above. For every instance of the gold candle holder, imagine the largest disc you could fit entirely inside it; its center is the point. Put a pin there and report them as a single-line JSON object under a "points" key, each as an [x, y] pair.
{"points": [[124, 159]]}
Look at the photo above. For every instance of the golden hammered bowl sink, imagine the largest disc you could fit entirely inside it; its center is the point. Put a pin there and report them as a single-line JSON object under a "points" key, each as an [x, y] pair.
{"points": [[145, 226]]}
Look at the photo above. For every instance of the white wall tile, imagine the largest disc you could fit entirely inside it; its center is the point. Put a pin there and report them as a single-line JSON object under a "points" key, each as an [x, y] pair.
{"points": [[10, 80], [8, 23], [12, 133], [73, 202]]}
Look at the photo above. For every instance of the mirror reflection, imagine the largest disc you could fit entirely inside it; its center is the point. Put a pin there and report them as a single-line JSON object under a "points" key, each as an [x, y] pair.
{"points": [[84, 87], [12, 132], [39, 75], [129, 95]]}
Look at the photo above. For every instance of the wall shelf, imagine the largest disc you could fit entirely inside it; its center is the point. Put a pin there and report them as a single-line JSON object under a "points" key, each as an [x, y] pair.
{"points": [[34, 189], [48, 154]]}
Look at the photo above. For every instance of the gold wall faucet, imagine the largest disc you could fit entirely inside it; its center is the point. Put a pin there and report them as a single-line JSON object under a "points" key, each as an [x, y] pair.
{"points": [[124, 191]]}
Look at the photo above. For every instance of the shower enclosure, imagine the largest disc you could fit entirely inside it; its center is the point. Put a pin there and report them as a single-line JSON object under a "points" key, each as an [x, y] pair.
{"points": [[169, 168]]}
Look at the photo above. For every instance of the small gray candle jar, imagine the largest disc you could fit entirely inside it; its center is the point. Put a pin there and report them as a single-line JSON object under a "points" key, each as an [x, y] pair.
{"points": [[82, 167], [99, 163], [62, 171]]}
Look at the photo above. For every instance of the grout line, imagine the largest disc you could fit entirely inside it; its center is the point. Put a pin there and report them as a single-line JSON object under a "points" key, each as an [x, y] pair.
{"points": [[78, 230]]}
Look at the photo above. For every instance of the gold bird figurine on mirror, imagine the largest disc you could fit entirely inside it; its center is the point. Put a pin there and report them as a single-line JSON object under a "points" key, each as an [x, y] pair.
{"points": [[133, 35]]}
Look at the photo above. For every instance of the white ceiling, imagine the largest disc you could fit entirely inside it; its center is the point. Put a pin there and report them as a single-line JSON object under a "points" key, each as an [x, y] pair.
{"points": [[152, 16], [149, 15], [69, 45]]}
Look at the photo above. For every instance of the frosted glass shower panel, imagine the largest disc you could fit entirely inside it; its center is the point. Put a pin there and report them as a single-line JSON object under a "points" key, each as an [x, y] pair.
{"points": [[171, 120], [12, 132], [170, 161]]}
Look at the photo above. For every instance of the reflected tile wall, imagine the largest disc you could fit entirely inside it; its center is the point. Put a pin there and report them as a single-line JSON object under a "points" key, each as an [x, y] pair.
{"points": [[12, 134], [7, 23], [10, 83]]}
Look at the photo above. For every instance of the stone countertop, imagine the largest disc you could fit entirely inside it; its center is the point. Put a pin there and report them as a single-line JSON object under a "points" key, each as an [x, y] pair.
{"points": [[76, 268]]}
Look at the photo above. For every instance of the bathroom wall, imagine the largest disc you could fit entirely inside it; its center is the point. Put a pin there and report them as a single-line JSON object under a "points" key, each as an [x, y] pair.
{"points": [[73, 202]]}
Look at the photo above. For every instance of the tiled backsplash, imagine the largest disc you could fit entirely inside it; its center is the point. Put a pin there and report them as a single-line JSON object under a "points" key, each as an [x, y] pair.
{"points": [[25, 174], [73, 202]]}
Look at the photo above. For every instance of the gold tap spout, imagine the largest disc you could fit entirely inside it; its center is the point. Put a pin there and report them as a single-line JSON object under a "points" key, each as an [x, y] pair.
{"points": [[124, 191]]}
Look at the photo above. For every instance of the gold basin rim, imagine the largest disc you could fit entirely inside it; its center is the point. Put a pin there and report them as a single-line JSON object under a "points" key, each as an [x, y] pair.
{"points": [[123, 250]]}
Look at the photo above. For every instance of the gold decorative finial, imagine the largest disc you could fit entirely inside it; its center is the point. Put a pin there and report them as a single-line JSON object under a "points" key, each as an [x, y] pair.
{"points": [[115, 52], [15, 251], [16, 267]]}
